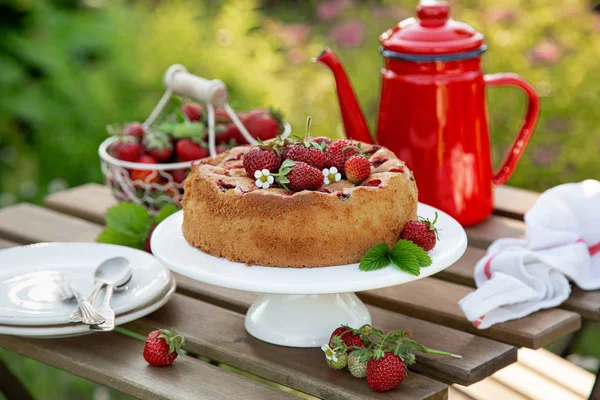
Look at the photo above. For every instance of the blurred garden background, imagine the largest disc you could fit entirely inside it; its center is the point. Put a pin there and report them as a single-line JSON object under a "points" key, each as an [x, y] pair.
{"points": [[68, 68]]}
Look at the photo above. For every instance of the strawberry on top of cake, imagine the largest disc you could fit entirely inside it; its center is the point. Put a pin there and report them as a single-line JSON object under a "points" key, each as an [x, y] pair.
{"points": [[299, 202]]}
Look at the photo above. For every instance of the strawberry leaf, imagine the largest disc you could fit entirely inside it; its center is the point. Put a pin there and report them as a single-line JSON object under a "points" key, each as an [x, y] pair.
{"points": [[111, 236], [376, 258], [404, 256], [189, 130], [164, 212], [129, 219]]}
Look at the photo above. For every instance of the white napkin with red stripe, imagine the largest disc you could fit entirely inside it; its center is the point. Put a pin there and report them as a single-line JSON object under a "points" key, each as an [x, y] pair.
{"points": [[518, 277]]}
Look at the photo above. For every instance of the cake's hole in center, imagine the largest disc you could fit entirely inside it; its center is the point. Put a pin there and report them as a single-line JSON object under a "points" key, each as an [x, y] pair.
{"points": [[378, 161], [225, 186], [373, 182]]}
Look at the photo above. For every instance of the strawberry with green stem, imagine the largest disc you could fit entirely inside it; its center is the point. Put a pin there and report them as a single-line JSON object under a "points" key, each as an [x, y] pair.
{"points": [[421, 232], [307, 151], [162, 347]]}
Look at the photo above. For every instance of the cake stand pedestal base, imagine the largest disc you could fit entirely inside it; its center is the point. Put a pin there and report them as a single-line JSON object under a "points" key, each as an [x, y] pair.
{"points": [[304, 320]]}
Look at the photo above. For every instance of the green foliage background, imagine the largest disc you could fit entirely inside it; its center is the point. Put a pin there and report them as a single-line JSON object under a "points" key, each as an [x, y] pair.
{"points": [[69, 68]]}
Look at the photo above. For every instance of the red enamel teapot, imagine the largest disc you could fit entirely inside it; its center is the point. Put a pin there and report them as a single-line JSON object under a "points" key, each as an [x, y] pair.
{"points": [[432, 111]]}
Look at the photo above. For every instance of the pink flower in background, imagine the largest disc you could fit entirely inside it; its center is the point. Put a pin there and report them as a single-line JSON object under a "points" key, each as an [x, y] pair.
{"points": [[348, 34], [500, 15], [393, 12], [296, 56], [545, 52], [293, 34], [328, 10]]}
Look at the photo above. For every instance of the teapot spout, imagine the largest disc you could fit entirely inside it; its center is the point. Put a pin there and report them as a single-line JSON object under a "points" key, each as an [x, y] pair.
{"points": [[354, 120]]}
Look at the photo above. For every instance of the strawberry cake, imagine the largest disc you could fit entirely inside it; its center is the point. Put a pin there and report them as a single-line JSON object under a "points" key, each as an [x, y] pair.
{"points": [[298, 203]]}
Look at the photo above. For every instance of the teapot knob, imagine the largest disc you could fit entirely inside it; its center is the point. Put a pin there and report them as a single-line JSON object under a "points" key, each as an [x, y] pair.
{"points": [[433, 13]]}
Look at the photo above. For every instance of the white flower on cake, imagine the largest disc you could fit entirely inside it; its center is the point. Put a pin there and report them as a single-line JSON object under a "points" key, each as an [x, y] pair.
{"points": [[263, 178], [331, 175], [329, 353]]}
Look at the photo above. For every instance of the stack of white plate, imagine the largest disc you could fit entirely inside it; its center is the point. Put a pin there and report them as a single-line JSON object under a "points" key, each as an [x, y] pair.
{"points": [[31, 278]]}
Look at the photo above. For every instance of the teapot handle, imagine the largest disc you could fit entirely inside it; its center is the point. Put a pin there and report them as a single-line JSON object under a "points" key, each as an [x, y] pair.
{"points": [[515, 151]]}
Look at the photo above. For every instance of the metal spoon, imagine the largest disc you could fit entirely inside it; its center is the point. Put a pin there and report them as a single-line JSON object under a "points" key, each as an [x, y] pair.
{"points": [[113, 278], [106, 268]]}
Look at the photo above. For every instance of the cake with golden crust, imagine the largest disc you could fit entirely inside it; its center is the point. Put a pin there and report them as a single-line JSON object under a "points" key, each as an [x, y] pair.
{"points": [[227, 215]]}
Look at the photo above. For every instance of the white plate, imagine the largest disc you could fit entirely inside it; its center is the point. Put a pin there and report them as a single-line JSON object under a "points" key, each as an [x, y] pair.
{"points": [[70, 330], [30, 275], [171, 248]]}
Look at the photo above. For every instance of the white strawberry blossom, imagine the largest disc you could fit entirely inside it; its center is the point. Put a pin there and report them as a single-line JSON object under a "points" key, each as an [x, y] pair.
{"points": [[263, 178], [329, 353], [331, 175]]}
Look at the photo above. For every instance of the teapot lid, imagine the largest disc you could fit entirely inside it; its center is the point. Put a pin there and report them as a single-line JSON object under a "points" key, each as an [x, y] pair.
{"points": [[433, 34]]}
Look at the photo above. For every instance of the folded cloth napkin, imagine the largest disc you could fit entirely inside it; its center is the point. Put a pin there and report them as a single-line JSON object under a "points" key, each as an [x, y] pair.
{"points": [[518, 277]]}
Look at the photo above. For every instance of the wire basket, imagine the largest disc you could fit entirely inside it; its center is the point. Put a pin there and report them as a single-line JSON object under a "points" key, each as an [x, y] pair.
{"points": [[164, 183]]}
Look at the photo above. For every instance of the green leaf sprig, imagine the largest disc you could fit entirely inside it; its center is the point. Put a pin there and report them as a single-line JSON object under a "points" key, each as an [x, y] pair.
{"points": [[405, 255], [128, 224]]}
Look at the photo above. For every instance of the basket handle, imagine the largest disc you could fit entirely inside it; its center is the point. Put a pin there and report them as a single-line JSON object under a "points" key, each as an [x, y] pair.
{"points": [[181, 82]]}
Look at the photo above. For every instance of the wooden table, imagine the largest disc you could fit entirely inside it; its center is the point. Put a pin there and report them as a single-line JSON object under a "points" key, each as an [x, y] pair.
{"points": [[212, 319]]}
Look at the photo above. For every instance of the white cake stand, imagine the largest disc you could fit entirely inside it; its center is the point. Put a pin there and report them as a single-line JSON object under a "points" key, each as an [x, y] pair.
{"points": [[300, 307]]}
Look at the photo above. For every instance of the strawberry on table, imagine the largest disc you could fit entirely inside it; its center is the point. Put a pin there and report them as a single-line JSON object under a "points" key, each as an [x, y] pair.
{"points": [[259, 158], [357, 169], [421, 232], [126, 148], [357, 368], [147, 176], [193, 111], [336, 358], [385, 372], [263, 124], [189, 150], [158, 145], [348, 336], [162, 347]]}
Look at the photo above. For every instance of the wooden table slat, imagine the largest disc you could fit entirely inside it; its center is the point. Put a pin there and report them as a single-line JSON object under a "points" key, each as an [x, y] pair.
{"points": [[27, 223], [219, 334], [513, 202], [551, 325], [116, 361]]}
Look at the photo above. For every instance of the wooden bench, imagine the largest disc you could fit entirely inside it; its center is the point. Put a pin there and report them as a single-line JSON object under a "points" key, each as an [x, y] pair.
{"points": [[212, 320]]}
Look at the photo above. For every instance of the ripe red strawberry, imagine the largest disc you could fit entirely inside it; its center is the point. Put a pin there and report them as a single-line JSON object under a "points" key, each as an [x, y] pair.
{"points": [[188, 150], [263, 124], [321, 140], [297, 176], [337, 156], [310, 155], [134, 129], [421, 232], [162, 347], [147, 176], [179, 175], [158, 145], [126, 148], [259, 158], [348, 337], [385, 373], [357, 169], [193, 111]]}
